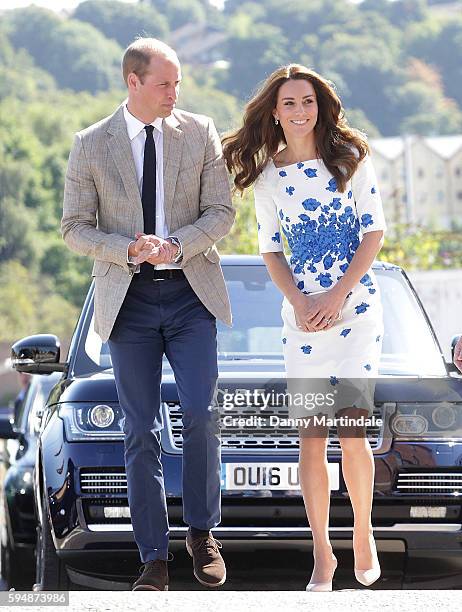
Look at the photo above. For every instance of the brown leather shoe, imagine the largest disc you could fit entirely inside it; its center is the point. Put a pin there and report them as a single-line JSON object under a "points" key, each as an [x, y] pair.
{"points": [[209, 567], [153, 578]]}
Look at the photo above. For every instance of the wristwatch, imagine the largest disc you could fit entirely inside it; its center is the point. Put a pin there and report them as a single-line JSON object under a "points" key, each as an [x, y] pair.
{"points": [[179, 256], [132, 266]]}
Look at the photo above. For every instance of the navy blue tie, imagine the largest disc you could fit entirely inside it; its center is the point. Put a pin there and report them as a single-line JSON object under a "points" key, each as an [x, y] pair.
{"points": [[148, 192]]}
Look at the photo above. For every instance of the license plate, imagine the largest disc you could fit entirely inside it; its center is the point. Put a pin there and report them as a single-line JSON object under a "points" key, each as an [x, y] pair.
{"points": [[268, 476]]}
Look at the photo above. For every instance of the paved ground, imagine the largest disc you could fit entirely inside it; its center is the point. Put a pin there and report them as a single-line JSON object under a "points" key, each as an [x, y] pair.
{"points": [[270, 579], [265, 601]]}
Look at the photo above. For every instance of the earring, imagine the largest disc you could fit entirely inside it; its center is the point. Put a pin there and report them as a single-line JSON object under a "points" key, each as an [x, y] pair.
{"points": [[276, 121]]}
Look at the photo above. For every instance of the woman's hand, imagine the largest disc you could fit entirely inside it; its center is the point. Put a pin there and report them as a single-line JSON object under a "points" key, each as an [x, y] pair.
{"points": [[324, 309], [302, 309]]}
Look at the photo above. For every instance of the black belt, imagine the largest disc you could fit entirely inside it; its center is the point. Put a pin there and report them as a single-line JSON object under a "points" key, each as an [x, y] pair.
{"points": [[152, 274]]}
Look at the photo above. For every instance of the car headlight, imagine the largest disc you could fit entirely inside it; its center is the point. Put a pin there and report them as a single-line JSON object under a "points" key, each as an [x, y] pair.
{"points": [[102, 416], [91, 421], [437, 420]]}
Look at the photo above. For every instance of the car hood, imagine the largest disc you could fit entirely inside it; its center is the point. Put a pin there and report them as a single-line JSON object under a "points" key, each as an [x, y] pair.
{"points": [[262, 374]]}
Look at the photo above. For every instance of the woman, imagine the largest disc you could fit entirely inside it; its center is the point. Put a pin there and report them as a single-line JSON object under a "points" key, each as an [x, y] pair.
{"points": [[313, 179]]}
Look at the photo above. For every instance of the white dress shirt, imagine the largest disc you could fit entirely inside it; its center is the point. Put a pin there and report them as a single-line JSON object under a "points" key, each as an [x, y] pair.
{"points": [[137, 136]]}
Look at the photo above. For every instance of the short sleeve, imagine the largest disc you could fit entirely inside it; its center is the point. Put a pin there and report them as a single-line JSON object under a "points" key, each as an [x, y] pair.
{"points": [[367, 197], [269, 230]]}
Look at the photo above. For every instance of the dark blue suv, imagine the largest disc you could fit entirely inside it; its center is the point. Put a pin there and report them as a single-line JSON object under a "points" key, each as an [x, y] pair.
{"points": [[84, 534]]}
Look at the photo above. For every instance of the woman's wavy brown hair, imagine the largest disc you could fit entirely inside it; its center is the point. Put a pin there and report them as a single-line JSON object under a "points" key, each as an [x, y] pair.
{"points": [[247, 150]]}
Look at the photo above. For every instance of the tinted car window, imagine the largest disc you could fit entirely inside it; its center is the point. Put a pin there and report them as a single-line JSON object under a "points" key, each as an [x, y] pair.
{"points": [[42, 385]]}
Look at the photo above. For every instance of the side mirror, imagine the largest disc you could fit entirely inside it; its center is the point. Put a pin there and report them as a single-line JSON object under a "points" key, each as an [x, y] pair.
{"points": [[37, 354], [6, 425]]}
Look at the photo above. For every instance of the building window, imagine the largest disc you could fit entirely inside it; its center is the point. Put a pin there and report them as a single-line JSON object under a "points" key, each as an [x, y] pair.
{"points": [[459, 195], [458, 171], [420, 172], [440, 196]]}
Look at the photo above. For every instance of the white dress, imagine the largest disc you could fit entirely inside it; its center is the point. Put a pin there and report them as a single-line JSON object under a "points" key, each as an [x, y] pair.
{"points": [[324, 228]]}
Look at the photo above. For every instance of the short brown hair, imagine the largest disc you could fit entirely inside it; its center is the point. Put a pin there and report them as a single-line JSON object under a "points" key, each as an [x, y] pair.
{"points": [[138, 55]]}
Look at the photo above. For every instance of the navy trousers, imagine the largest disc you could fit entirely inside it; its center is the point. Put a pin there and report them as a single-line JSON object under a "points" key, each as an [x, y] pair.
{"points": [[157, 317]]}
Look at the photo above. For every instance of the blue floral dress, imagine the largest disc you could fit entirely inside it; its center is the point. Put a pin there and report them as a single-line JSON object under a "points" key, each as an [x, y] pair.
{"points": [[323, 227]]}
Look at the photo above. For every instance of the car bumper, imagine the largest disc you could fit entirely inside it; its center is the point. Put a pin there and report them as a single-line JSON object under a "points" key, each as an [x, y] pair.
{"points": [[113, 566]]}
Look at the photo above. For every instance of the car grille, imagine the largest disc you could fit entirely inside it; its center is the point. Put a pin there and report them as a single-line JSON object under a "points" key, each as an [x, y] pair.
{"points": [[442, 483], [276, 438], [97, 481]]}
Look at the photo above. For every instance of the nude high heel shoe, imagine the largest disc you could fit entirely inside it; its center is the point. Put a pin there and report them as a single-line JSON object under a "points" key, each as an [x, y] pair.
{"points": [[321, 586], [372, 574]]}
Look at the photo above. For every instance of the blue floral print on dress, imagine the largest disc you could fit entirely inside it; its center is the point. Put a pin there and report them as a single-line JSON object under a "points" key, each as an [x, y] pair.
{"points": [[325, 280], [332, 185], [366, 220], [311, 204], [276, 237], [336, 203], [361, 308]]}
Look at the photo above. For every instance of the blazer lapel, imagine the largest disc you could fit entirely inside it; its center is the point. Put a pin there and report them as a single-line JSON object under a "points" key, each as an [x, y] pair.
{"points": [[121, 152], [173, 147]]}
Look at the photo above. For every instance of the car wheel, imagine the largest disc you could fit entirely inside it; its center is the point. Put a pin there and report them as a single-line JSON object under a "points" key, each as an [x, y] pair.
{"points": [[12, 566], [51, 574]]}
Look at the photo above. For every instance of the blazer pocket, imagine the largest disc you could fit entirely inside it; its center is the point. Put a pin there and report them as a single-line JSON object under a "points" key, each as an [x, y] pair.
{"points": [[212, 255], [100, 268]]}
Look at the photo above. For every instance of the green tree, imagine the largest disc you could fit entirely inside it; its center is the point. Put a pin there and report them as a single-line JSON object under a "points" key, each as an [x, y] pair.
{"points": [[30, 305], [264, 43], [123, 22], [439, 43], [62, 48], [198, 94], [243, 236], [70, 272], [17, 231], [181, 12]]}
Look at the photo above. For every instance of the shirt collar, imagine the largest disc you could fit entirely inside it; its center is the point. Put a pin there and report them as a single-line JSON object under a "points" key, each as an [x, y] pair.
{"points": [[135, 126]]}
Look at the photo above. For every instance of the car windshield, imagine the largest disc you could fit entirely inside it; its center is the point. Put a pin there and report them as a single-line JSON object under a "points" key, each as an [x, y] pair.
{"points": [[409, 347]]}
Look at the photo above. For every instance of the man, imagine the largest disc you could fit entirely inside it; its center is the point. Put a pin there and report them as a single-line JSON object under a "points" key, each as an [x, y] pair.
{"points": [[458, 354], [147, 196]]}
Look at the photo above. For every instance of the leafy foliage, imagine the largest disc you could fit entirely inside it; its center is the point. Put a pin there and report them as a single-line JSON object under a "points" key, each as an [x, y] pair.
{"points": [[122, 22]]}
